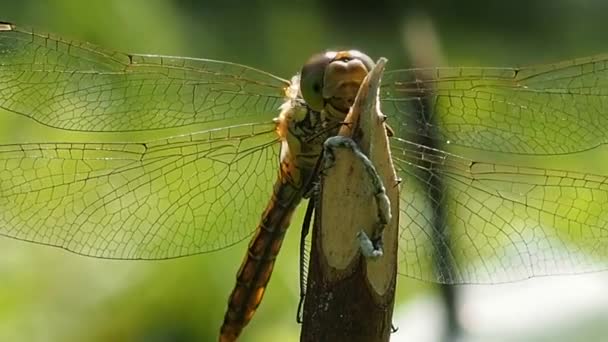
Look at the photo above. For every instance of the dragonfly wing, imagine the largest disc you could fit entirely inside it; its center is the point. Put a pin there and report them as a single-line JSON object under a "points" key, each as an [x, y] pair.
{"points": [[500, 214], [81, 87], [158, 199], [465, 221], [135, 195], [547, 109]]}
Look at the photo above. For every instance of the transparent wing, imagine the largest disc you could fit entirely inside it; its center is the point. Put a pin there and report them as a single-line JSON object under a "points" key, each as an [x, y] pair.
{"points": [[547, 109], [508, 210], [152, 200], [133, 196], [81, 87], [465, 221]]}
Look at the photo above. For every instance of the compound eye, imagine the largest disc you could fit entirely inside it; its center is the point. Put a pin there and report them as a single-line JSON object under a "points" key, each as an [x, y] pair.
{"points": [[311, 79]]}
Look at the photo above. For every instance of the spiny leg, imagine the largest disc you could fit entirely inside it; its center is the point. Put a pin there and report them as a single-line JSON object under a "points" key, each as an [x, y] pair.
{"points": [[303, 252], [371, 247]]}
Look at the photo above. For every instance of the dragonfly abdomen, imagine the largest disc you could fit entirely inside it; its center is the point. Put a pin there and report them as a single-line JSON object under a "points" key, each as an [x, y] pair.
{"points": [[256, 269]]}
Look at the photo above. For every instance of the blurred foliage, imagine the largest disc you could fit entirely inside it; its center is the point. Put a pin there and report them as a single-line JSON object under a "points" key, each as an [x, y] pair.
{"points": [[51, 295]]}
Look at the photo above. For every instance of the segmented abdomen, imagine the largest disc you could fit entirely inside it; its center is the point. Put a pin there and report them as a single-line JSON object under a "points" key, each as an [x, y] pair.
{"points": [[257, 266]]}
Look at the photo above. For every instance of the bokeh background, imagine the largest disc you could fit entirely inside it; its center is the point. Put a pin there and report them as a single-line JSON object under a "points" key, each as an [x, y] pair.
{"points": [[48, 294]]}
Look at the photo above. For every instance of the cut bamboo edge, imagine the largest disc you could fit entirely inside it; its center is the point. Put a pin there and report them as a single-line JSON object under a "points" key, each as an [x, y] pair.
{"points": [[350, 297]]}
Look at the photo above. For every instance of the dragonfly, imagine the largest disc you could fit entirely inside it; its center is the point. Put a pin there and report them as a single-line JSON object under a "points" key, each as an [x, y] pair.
{"points": [[158, 157]]}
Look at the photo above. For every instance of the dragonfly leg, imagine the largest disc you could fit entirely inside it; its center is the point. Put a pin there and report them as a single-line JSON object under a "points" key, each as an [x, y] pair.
{"points": [[304, 254], [313, 190], [371, 246]]}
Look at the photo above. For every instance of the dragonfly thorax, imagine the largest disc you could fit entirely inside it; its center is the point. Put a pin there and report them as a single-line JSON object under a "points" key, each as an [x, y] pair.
{"points": [[316, 105]]}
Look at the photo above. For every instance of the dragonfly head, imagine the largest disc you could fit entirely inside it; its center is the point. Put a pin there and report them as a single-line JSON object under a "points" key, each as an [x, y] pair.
{"points": [[333, 78]]}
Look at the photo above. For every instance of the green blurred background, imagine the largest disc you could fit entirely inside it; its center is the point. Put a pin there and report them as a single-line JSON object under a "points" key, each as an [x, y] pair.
{"points": [[51, 295]]}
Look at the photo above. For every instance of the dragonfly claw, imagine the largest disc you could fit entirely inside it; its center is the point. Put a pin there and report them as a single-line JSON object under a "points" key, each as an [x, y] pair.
{"points": [[371, 249]]}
